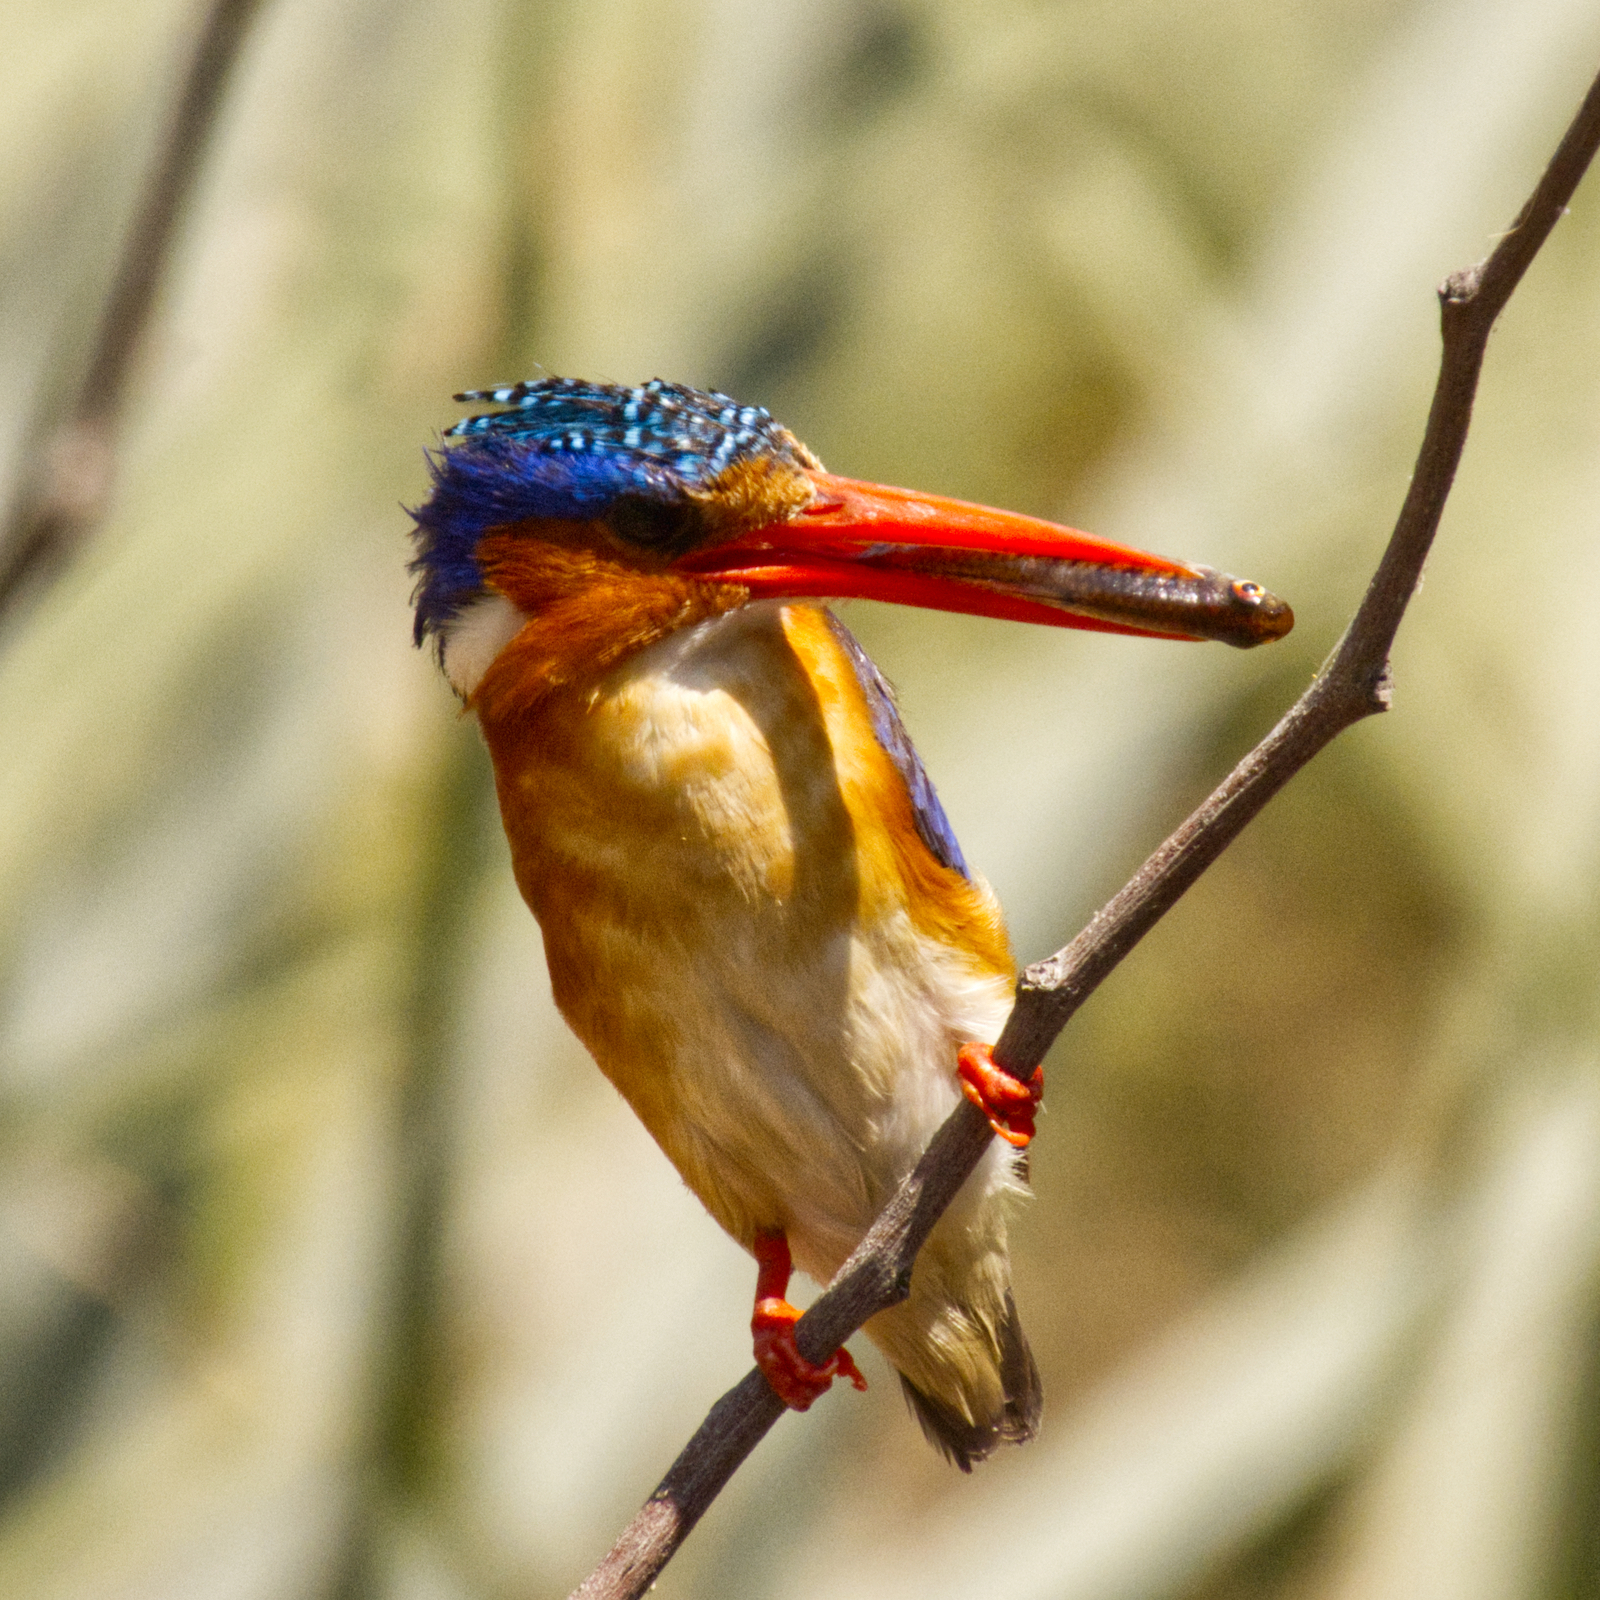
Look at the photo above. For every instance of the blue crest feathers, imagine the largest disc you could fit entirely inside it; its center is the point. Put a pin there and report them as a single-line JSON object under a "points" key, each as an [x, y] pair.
{"points": [[566, 448]]}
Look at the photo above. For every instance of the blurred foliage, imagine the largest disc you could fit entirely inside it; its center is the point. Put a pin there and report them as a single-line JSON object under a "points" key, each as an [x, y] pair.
{"points": [[328, 1264]]}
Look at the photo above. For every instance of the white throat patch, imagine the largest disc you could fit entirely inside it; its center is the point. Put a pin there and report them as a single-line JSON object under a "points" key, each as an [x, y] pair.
{"points": [[470, 640]]}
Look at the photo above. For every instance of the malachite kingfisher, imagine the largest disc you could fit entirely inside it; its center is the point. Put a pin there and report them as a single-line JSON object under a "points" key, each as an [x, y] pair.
{"points": [[755, 912]]}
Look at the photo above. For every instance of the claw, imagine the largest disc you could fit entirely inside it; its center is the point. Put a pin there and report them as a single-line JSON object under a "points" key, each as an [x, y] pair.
{"points": [[1008, 1103], [795, 1380]]}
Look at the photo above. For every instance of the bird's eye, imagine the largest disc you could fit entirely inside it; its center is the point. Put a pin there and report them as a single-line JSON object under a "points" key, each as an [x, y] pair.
{"points": [[654, 524]]}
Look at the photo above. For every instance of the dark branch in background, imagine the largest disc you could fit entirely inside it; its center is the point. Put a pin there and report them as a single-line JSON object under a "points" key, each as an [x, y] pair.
{"points": [[72, 468], [1353, 684]]}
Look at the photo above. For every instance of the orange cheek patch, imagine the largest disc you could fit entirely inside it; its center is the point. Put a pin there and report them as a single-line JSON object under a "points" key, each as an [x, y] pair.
{"points": [[587, 611]]}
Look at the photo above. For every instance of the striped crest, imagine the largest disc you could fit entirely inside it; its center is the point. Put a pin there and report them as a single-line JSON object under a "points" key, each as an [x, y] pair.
{"points": [[566, 448]]}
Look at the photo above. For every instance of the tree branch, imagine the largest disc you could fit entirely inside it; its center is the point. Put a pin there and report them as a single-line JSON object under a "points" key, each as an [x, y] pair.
{"points": [[71, 481], [1353, 684]]}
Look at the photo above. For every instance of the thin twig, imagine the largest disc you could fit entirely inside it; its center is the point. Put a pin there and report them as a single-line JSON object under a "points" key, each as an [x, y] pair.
{"points": [[1353, 684], [72, 468]]}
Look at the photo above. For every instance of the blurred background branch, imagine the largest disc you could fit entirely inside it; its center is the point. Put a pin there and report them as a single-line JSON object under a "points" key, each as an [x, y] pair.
{"points": [[73, 459], [309, 1208]]}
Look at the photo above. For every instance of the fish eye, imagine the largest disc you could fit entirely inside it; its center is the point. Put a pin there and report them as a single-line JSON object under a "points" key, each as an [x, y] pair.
{"points": [[1247, 590]]}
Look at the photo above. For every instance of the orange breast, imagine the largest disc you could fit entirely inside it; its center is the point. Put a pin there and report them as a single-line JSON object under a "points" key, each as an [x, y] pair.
{"points": [[740, 918]]}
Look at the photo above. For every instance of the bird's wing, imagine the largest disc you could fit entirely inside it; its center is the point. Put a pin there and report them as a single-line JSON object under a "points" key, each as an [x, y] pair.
{"points": [[933, 826]]}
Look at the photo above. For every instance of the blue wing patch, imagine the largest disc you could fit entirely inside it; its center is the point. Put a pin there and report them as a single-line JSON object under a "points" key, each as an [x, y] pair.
{"points": [[933, 826]]}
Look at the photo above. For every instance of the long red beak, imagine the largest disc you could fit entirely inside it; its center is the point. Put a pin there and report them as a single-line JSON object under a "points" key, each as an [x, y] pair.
{"points": [[865, 541]]}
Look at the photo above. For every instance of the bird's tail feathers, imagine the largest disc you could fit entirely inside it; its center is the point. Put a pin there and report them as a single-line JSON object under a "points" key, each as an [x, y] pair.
{"points": [[958, 1345], [964, 1439]]}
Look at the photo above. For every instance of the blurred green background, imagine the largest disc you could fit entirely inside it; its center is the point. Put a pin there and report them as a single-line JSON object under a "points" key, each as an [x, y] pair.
{"points": [[329, 1265]]}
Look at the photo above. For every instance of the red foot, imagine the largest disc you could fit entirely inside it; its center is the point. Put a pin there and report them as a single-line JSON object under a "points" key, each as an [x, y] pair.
{"points": [[1008, 1104], [795, 1380]]}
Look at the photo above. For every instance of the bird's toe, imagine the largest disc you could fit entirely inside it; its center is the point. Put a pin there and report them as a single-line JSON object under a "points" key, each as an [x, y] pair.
{"points": [[795, 1380], [1007, 1102]]}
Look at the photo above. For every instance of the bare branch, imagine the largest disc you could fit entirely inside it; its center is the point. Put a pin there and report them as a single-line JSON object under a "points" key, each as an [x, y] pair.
{"points": [[72, 476], [1353, 684]]}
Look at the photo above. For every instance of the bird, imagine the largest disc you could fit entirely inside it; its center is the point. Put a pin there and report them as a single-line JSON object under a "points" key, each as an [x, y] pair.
{"points": [[755, 912]]}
